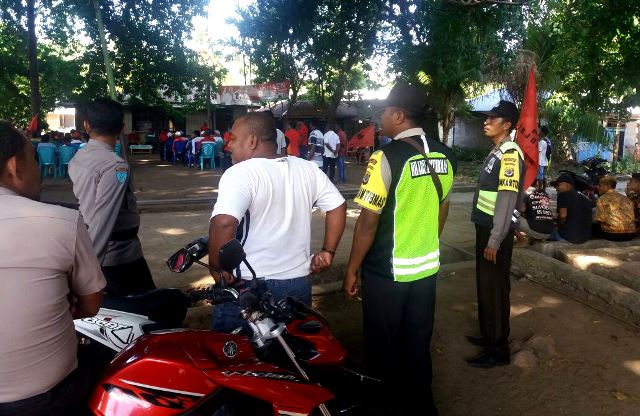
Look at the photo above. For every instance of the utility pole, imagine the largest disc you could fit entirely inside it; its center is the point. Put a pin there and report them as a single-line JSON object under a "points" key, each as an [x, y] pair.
{"points": [[105, 52]]}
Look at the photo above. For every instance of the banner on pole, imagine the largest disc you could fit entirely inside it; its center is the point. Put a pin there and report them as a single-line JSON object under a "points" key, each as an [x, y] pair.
{"points": [[251, 94]]}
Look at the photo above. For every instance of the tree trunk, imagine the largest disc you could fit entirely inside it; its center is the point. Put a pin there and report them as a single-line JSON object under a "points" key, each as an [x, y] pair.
{"points": [[447, 122], [34, 78], [105, 52], [295, 90], [431, 125]]}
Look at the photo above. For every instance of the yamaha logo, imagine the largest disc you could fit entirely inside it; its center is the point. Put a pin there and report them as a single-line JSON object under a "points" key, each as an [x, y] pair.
{"points": [[230, 349]]}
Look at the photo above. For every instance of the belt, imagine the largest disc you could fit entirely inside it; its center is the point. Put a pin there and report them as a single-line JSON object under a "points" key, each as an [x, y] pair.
{"points": [[124, 235]]}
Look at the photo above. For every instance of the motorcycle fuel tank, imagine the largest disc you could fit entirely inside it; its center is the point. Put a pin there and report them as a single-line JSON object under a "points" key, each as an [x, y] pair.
{"points": [[176, 372]]}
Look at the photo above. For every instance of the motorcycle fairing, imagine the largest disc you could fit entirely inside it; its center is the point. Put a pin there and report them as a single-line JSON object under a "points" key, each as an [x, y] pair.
{"points": [[112, 328]]}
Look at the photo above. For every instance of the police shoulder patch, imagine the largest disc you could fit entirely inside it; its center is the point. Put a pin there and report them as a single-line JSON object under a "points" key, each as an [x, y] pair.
{"points": [[122, 174]]}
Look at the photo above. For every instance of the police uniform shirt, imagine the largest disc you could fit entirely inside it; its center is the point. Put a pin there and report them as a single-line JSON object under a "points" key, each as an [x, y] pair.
{"points": [[102, 184], [46, 253], [406, 238]]}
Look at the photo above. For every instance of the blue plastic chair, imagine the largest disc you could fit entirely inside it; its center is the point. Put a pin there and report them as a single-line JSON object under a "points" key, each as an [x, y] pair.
{"points": [[118, 149], [47, 160], [207, 152], [65, 154], [178, 153]]}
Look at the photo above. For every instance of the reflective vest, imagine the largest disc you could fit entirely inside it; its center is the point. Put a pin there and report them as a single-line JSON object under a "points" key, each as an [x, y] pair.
{"points": [[484, 201], [406, 247]]}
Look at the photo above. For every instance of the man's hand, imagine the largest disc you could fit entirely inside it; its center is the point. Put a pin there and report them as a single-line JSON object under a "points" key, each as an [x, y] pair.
{"points": [[229, 279], [490, 254], [321, 261], [350, 284]]}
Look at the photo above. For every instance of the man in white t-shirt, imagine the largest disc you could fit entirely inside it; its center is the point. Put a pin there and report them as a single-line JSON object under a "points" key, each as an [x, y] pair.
{"points": [[266, 201], [281, 143], [316, 146], [331, 147], [541, 181]]}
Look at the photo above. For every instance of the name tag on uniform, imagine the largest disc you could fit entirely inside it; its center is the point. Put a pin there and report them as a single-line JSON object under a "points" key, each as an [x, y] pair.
{"points": [[419, 167]]}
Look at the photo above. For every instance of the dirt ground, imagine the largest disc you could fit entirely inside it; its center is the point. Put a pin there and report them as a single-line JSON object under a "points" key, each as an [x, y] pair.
{"points": [[568, 358], [576, 361]]}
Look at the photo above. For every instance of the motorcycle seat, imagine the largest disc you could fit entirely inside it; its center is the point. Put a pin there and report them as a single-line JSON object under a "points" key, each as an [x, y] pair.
{"points": [[166, 307]]}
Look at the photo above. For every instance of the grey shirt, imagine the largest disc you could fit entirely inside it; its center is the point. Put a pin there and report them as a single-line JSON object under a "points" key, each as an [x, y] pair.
{"points": [[46, 255], [506, 203], [103, 185]]}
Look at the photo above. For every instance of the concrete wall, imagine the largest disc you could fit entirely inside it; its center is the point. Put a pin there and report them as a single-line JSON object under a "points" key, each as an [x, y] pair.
{"points": [[468, 133], [128, 121], [195, 120], [631, 137]]}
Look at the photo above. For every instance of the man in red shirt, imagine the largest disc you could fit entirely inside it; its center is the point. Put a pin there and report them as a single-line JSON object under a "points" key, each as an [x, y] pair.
{"points": [[342, 154], [304, 138], [162, 138], [294, 140]]}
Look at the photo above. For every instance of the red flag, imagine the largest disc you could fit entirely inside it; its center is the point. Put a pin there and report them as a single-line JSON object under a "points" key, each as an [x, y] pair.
{"points": [[33, 125], [527, 130], [363, 138]]}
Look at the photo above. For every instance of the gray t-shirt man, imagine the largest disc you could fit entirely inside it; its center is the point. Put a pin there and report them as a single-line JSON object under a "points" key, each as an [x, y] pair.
{"points": [[55, 259]]}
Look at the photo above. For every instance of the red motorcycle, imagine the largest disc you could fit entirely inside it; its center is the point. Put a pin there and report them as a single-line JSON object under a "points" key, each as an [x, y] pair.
{"points": [[264, 372]]}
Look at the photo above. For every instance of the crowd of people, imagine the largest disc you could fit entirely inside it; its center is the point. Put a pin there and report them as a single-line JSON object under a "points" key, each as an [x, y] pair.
{"points": [[609, 215]]}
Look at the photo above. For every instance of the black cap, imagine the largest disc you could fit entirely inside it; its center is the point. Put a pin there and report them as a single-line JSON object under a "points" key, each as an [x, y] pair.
{"points": [[407, 97], [564, 178], [635, 176], [504, 109]]}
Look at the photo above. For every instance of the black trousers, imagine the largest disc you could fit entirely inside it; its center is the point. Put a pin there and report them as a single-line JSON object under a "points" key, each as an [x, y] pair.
{"points": [[329, 166], [128, 278], [494, 286], [65, 398], [398, 323]]}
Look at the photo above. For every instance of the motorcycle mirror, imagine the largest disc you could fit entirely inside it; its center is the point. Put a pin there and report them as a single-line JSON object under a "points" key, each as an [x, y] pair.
{"points": [[231, 255], [180, 261]]}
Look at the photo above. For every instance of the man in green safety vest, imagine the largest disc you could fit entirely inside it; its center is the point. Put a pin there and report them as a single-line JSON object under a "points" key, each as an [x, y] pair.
{"points": [[404, 200], [499, 189]]}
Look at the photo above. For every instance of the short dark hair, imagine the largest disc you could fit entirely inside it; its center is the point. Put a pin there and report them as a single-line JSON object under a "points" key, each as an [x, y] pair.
{"points": [[544, 130], [105, 116], [609, 180], [12, 143], [415, 118], [262, 125]]}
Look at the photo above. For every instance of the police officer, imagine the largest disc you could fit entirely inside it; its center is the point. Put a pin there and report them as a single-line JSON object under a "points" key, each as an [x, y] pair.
{"points": [[103, 185], [404, 200], [499, 189], [45, 283]]}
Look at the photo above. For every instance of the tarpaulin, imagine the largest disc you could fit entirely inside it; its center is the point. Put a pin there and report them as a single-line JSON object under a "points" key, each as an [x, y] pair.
{"points": [[363, 138]]}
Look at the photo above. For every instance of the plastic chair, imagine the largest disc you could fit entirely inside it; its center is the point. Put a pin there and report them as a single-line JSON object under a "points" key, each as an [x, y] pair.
{"points": [[207, 152], [65, 154], [118, 149], [178, 152], [46, 160]]}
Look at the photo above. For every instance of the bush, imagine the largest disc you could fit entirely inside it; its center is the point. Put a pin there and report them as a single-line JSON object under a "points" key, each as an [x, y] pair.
{"points": [[469, 155]]}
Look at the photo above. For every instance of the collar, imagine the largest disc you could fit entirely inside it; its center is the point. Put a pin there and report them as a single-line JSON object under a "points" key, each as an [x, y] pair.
{"points": [[99, 145], [7, 191], [416, 131]]}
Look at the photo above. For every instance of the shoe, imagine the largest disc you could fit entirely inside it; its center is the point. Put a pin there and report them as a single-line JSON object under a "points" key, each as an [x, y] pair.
{"points": [[486, 360], [477, 341]]}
